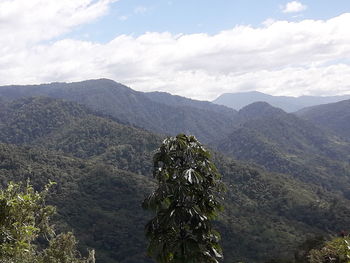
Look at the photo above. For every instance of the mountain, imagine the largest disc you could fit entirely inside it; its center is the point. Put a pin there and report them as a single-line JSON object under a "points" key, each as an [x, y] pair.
{"points": [[103, 171], [100, 203], [258, 110], [24, 120], [178, 101], [333, 116], [282, 142], [289, 104], [73, 129], [205, 120]]}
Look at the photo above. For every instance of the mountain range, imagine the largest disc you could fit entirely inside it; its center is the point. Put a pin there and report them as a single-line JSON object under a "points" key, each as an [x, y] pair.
{"points": [[289, 104], [136, 108], [334, 117], [282, 142], [287, 175]]}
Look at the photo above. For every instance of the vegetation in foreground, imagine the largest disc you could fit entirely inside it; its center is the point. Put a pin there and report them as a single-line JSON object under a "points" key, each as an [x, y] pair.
{"points": [[185, 202], [26, 235]]}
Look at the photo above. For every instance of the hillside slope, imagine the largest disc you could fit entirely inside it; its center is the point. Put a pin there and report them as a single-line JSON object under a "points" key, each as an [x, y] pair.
{"points": [[100, 203], [178, 101], [281, 142], [333, 116], [103, 170], [135, 108]]}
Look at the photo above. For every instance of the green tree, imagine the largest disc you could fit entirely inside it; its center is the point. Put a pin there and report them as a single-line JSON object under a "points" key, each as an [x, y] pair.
{"points": [[335, 251], [24, 218], [185, 203]]}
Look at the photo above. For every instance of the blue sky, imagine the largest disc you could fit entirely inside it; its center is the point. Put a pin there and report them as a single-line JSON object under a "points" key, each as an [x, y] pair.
{"points": [[197, 49], [135, 17]]}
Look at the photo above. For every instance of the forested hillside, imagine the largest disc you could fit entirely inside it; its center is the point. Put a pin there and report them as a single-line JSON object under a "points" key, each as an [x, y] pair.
{"points": [[178, 101], [281, 142], [136, 108], [103, 171], [333, 116], [99, 202]]}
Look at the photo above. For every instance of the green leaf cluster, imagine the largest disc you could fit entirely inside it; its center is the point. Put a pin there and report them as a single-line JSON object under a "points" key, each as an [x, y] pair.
{"points": [[185, 202], [24, 219], [335, 251]]}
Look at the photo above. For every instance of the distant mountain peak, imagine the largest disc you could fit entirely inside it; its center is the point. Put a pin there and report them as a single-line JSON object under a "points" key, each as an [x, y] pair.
{"points": [[252, 92], [101, 80], [258, 104], [289, 104], [260, 109]]}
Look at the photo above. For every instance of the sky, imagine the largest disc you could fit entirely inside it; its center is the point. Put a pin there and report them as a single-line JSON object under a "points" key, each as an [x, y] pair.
{"points": [[193, 48]]}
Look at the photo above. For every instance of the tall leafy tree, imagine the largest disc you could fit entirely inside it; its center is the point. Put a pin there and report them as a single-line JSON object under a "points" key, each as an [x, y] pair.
{"points": [[185, 203]]}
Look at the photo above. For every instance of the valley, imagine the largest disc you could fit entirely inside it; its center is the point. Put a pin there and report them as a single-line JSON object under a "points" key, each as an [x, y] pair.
{"points": [[287, 174]]}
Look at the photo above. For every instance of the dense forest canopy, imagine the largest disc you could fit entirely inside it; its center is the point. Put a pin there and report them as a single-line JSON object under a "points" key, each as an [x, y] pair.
{"points": [[287, 184]]}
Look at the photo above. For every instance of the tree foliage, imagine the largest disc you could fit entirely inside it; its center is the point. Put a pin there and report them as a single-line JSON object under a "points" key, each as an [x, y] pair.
{"points": [[335, 251], [185, 202], [25, 218]]}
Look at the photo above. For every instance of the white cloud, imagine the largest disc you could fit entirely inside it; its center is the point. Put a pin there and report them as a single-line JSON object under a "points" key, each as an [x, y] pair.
{"points": [[24, 22], [294, 7], [141, 9], [282, 58], [268, 22], [123, 18]]}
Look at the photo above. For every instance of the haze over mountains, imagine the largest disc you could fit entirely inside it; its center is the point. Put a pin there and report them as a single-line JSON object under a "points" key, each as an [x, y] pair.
{"points": [[289, 104], [287, 175]]}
